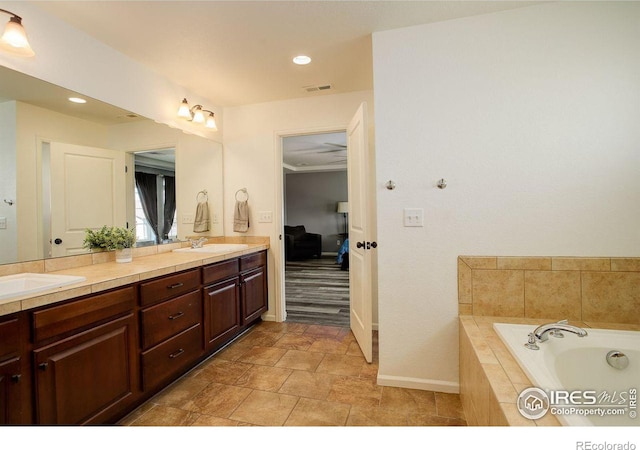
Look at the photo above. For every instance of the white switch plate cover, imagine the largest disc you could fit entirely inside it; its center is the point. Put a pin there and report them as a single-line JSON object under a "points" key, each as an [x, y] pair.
{"points": [[265, 216], [187, 218], [413, 217], [216, 219], [3, 223]]}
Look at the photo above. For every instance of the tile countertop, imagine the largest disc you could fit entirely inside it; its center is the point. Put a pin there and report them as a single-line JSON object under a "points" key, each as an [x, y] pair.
{"points": [[108, 275]]}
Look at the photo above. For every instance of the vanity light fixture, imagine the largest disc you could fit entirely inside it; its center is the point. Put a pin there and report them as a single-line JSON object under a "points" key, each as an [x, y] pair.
{"points": [[14, 39], [196, 114]]}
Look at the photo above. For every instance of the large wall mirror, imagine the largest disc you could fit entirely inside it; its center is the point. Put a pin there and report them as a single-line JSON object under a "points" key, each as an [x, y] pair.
{"points": [[67, 166]]}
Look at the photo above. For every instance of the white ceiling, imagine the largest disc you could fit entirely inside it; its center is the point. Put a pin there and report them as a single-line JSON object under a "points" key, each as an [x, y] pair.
{"points": [[315, 152], [239, 52]]}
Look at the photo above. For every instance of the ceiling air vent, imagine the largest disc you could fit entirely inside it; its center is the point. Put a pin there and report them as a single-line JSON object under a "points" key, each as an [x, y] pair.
{"points": [[316, 88]]}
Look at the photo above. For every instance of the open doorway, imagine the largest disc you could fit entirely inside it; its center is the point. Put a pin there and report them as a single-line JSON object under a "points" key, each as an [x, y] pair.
{"points": [[315, 234]]}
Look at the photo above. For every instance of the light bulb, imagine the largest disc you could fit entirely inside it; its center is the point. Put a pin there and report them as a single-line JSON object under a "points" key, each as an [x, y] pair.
{"points": [[211, 122], [198, 116], [14, 39], [183, 110]]}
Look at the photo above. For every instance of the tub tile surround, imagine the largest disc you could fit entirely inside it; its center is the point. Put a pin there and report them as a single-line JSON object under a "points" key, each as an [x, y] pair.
{"points": [[102, 272], [605, 290], [589, 292]]}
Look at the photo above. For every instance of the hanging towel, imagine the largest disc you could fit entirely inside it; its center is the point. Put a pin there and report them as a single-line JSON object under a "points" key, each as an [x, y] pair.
{"points": [[201, 221], [241, 217]]}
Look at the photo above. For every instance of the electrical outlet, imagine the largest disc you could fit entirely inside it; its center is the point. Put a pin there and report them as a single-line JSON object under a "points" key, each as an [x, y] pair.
{"points": [[3, 223], [338, 242], [187, 218], [265, 216], [413, 217]]}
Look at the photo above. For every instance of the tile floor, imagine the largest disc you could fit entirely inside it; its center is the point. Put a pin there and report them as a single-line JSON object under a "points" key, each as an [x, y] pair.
{"points": [[293, 374]]}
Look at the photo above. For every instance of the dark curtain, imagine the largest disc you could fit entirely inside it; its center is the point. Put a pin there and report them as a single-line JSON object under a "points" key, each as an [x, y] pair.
{"points": [[169, 204], [148, 190]]}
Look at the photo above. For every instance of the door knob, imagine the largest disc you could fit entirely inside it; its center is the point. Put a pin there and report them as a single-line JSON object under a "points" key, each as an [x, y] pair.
{"points": [[57, 241], [360, 244], [374, 244]]}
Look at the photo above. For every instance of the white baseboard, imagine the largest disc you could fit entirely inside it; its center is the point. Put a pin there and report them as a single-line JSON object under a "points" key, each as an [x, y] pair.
{"points": [[419, 383]]}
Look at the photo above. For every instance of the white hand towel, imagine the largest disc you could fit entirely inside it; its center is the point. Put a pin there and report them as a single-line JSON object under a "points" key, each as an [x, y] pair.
{"points": [[241, 217], [201, 221]]}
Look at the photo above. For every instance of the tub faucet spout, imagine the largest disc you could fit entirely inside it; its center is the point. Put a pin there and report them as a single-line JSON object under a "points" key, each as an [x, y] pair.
{"points": [[542, 332]]}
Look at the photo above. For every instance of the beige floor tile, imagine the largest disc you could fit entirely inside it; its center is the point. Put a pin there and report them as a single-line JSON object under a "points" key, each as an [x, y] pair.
{"points": [[310, 412], [355, 391], [218, 400], [233, 352], [295, 341], [264, 378], [354, 349], [341, 365], [296, 359], [265, 408], [324, 330], [369, 371], [424, 420], [308, 384], [265, 356], [181, 391], [260, 338], [330, 345], [221, 371], [376, 416], [449, 405], [164, 416], [205, 420], [408, 400]]}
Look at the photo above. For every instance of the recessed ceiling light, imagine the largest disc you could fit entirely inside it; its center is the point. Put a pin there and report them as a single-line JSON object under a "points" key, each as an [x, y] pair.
{"points": [[301, 60], [77, 100]]}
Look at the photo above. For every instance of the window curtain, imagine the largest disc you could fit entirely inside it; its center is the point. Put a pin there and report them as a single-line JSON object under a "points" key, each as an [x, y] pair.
{"points": [[148, 190], [169, 204]]}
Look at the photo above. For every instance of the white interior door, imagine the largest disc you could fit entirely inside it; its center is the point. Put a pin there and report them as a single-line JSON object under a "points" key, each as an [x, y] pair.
{"points": [[87, 191], [360, 247]]}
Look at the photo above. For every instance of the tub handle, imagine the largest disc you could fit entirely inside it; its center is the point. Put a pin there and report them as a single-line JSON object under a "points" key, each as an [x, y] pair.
{"points": [[531, 343]]}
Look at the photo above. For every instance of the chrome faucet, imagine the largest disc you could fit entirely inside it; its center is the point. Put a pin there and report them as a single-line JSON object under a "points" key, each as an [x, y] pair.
{"points": [[542, 332], [197, 243]]}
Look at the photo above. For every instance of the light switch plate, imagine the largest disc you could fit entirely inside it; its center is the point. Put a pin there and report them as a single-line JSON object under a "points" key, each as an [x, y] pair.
{"points": [[265, 216], [3, 223], [187, 218], [413, 217]]}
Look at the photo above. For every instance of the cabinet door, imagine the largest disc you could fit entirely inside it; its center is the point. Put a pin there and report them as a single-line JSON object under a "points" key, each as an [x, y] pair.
{"points": [[254, 294], [10, 387], [88, 377], [221, 312]]}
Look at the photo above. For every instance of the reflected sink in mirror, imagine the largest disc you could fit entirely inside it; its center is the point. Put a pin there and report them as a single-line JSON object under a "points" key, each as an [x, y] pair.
{"points": [[213, 248], [27, 283]]}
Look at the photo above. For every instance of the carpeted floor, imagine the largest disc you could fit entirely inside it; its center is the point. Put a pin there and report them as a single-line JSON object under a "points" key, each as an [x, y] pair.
{"points": [[317, 292]]}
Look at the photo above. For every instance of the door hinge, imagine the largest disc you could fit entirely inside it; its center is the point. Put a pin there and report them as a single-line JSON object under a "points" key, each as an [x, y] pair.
{"points": [[126, 169]]}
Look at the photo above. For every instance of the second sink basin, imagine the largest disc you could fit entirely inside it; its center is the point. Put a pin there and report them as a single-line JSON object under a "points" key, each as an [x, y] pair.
{"points": [[27, 283], [213, 248]]}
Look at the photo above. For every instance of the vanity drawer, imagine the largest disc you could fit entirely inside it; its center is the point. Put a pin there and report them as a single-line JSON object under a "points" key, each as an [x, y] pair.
{"points": [[9, 337], [162, 321], [62, 319], [220, 271], [167, 359], [253, 261], [168, 287]]}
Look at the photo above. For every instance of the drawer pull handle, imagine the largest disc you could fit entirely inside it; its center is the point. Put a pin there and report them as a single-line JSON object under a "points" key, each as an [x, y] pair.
{"points": [[43, 366], [174, 286], [176, 316], [176, 354], [16, 378]]}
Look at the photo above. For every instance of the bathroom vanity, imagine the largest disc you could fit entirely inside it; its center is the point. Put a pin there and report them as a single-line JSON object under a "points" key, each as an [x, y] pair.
{"points": [[93, 358]]}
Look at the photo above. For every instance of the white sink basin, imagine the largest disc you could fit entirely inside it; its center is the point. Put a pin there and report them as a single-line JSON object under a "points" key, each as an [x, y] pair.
{"points": [[27, 283], [213, 248]]}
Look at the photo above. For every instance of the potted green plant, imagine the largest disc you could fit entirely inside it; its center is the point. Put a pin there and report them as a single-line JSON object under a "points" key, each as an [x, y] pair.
{"points": [[107, 238]]}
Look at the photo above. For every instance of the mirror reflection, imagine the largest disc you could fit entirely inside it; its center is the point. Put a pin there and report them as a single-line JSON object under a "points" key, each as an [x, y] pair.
{"points": [[65, 167]]}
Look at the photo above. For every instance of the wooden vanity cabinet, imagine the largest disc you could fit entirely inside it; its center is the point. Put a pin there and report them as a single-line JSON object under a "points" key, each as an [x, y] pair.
{"points": [[14, 378], [171, 327], [253, 281], [221, 296], [84, 356]]}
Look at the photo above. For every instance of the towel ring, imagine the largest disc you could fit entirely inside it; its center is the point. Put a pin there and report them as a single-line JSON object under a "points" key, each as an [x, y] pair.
{"points": [[203, 192], [243, 190]]}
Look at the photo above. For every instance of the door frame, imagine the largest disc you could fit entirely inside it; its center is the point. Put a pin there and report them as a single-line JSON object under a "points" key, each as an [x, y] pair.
{"points": [[277, 245]]}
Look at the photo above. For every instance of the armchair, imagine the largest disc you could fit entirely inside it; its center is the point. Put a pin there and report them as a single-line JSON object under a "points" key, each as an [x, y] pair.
{"points": [[301, 245]]}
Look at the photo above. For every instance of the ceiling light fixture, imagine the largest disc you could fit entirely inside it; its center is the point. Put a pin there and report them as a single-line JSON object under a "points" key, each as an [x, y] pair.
{"points": [[301, 60], [14, 39], [77, 100], [196, 114]]}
